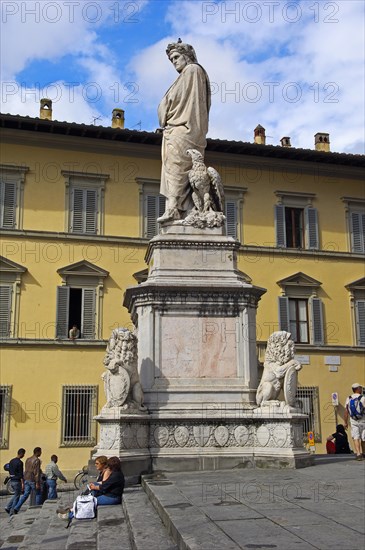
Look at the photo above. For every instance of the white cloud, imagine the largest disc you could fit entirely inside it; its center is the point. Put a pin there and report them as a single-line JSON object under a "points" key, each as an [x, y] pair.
{"points": [[318, 57]]}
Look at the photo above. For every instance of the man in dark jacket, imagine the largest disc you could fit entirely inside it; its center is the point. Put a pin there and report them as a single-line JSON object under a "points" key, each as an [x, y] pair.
{"points": [[32, 478], [16, 480]]}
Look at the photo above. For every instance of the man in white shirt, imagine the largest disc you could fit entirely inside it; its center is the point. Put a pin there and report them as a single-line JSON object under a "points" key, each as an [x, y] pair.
{"points": [[357, 423], [53, 473]]}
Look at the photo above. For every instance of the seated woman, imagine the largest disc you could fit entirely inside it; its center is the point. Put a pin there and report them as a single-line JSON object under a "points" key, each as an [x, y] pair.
{"points": [[110, 490], [100, 464], [341, 441]]}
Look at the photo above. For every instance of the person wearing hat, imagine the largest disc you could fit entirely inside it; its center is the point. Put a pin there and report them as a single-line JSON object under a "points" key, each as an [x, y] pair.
{"points": [[357, 424]]}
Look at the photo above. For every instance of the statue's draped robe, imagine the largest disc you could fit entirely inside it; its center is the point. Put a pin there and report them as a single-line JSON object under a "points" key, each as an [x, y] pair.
{"points": [[183, 113]]}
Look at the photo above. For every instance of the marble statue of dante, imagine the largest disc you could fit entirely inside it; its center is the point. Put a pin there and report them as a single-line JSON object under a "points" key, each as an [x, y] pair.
{"points": [[183, 117]]}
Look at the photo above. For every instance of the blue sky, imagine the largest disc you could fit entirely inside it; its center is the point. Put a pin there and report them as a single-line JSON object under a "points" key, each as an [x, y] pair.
{"points": [[295, 67]]}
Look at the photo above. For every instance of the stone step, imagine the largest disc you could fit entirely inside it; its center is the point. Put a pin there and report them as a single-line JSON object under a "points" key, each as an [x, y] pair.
{"points": [[18, 526], [112, 528], [146, 530], [190, 528]]}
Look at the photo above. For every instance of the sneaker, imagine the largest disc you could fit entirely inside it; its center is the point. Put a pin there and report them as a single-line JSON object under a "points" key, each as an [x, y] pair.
{"points": [[7, 511], [15, 512], [359, 457]]}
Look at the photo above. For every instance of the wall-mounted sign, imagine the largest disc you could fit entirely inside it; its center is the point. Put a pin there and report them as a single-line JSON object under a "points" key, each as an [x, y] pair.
{"points": [[303, 359], [334, 397], [332, 360]]}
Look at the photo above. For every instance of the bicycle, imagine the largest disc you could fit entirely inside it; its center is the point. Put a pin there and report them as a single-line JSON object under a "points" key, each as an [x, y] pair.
{"points": [[81, 478]]}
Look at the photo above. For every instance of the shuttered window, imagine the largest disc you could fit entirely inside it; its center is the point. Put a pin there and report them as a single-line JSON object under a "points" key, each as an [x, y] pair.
{"points": [[8, 204], [5, 310], [84, 211], [154, 208], [297, 316], [79, 406], [76, 306], [231, 218], [284, 313], [357, 228], [317, 321], [296, 227], [360, 322]]}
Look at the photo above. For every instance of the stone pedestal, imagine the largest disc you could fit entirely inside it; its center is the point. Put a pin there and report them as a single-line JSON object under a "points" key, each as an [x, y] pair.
{"points": [[196, 318], [125, 435], [197, 364]]}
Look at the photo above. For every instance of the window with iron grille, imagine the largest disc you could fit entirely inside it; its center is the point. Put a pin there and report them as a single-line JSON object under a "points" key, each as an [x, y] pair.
{"points": [[5, 399], [308, 402], [79, 406]]}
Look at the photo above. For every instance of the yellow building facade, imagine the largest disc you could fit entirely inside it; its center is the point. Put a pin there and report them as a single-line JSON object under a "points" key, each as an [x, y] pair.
{"points": [[78, 206]]}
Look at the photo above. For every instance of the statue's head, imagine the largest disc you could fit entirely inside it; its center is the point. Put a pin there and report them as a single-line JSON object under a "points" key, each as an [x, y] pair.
{"points": [[280, 347], [182, 49]]}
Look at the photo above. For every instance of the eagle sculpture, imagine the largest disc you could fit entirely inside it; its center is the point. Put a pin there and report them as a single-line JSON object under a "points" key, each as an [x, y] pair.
{"points": [[206, 183]]}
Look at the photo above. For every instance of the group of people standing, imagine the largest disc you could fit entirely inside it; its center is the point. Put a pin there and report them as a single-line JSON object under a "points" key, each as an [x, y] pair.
{"points": [[30, 478]]}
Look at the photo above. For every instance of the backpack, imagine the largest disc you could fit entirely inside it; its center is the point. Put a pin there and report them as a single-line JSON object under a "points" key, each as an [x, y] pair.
{"points": [[356, 408], [84, 507]]}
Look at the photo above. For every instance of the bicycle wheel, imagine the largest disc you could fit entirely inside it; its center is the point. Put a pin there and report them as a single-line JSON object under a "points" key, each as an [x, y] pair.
{"points": [[81, 480]]}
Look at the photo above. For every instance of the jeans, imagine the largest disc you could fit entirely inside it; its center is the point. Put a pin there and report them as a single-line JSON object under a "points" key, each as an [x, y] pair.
{"points": [[16, 485], [104, 500], [52, 489], [29, 486]]}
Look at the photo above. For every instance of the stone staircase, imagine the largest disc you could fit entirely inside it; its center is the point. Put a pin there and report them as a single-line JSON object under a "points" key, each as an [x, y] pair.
{"points": [[133, 526]]}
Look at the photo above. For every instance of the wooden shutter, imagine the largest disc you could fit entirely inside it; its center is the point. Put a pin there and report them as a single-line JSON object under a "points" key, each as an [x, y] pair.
{"points": [[360, 322], [280, 226], [88, 313], [231, 218], [5, 310], [91, 213], [8, 204], [152, 207], [357, 232], [284, 313], [311, 225], [77, 217], [63, 301], [317, 321]]}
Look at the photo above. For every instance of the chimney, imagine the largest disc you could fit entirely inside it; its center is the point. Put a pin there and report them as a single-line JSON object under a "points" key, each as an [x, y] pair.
{"points": [[259, 135], [118, 118], [322, 142], [285, 142], [46, 109]]}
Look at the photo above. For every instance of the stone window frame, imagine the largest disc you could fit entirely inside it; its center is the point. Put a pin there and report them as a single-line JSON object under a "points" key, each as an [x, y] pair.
{"points": [[235, 195], [302, 286], [15, 175], [85, 181], [304, 201], [79, 390], [149, 189], [355, 206], [357, 307], [86, 276], [5, 410], [11, 277], [313, 421]]}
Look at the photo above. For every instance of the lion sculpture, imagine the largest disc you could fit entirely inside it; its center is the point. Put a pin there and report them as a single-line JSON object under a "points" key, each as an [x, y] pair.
{"points": [[280, 370], [121, 380]]}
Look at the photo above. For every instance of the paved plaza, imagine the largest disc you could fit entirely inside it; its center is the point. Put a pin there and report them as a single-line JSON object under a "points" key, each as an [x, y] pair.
{"points": [[320, 507]]}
